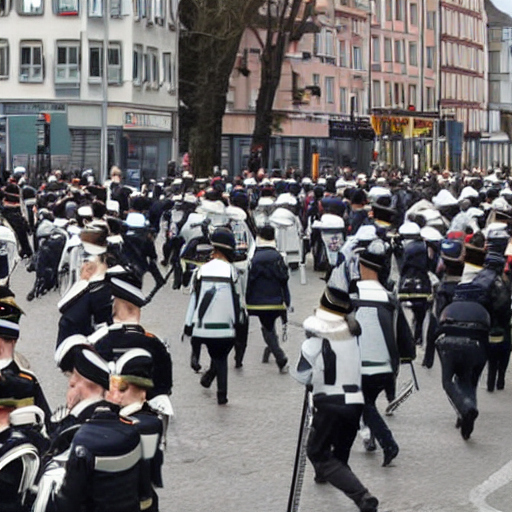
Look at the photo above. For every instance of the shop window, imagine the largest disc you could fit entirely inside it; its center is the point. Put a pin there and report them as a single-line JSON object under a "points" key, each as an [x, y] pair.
{"points": [[4, 59], [31, 61], [138, 63], [31, 7], [95, 8], [67, 68], [5, 7], [115, 70], [66, 7]]}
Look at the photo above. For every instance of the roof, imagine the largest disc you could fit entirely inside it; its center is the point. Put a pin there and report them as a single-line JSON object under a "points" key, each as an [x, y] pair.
{"points": [[497, 18]]}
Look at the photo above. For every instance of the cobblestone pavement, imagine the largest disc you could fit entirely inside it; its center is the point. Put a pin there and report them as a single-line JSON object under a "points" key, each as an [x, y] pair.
{"points": [[239, 458]]}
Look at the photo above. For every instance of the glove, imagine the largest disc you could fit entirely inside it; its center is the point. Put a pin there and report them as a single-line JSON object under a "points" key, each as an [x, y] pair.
{"points": [[162, 405]]}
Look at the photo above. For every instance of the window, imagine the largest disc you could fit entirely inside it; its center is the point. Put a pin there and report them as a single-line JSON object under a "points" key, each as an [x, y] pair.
{"points": [[115, 71], [414, 15], [316, 79], [153, 67], [431, 20], [357, 57], [324, 43], [169, 70], [413, 54], [389, 10], [388, 50], [399, 54], [66, 7], [329, 89], [430, 98], [413, 98], [67, 68], [31, 7], [343, 53], [377, 10], [343, 100], [399, 10], [5, 7], [4, 58], [376, 49], [376, 100], [31, 61], [494, 62], [173, 12], [495, 34], [95, 8], [430, 57], [95, 60], [354, 103], [138, 62], [494, 92], [159, 11], [388, 94]]}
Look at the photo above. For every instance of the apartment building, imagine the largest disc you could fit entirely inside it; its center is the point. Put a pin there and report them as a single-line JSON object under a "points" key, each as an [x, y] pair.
{"points": [[496, 148], [324, 79], [463, 71], [52, 60]]}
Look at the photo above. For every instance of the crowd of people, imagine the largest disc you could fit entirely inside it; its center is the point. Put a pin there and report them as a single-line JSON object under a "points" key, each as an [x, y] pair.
{"points": [[438, 245]]}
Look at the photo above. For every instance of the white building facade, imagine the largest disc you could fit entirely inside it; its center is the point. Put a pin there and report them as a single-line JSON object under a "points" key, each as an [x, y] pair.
{"points": [[52, 60]]}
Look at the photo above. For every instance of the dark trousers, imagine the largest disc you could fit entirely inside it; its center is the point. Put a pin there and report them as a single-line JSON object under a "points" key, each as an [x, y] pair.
{"points": [[373, 385], [268, 329], [419, 309], [330, 440], [462, 362], [218, 349], [498, 358]]}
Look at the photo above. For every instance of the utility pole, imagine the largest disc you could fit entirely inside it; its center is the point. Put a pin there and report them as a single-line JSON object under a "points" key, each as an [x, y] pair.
{"points": [[104, 90]]}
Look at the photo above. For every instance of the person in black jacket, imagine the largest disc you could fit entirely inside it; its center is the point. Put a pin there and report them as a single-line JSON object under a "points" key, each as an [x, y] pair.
{"points": [[267, 295]]}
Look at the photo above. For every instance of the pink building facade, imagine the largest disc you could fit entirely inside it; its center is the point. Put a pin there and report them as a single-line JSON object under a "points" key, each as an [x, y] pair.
{"points": [[324, 78]]}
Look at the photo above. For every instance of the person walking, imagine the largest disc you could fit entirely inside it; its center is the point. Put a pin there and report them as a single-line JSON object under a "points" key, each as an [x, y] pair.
{"points": [[268, 295], [214, 311], [330, 363]]}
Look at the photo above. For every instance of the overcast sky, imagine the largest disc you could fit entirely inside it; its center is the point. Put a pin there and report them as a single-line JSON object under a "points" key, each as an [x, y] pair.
{"points": [[503, 5]]}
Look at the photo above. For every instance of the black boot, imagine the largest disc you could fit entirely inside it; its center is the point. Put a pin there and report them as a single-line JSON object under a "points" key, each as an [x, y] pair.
{"points": [[207, 378], [266, 355], [222, 398]]}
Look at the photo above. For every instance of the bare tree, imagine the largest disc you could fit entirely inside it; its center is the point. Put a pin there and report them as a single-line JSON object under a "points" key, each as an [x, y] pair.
{"points": [[209, 41], [283, 24]]}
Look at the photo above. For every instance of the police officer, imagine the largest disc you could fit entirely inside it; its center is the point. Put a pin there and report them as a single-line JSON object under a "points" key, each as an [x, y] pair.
{"points": [[129, 382], [330, 362]]}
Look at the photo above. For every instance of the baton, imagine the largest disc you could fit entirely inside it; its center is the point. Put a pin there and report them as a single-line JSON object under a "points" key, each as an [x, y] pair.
{"points": [[152, 293]]}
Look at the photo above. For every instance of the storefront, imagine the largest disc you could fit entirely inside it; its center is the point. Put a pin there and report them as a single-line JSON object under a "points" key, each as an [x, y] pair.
{"points": [[146, 146], [406, 140]]}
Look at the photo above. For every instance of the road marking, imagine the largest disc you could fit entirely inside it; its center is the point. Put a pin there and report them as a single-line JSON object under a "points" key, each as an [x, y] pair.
{"points": [[478, 495]]}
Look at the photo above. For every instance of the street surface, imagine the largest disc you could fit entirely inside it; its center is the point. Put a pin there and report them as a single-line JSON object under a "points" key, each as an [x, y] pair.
{"points": [[239, 458]]}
